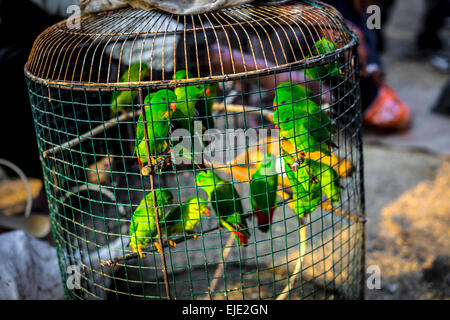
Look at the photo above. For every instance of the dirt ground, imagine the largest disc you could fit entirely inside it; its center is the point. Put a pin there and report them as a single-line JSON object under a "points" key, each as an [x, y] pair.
{"points": [[407, 174], [409, 236]]}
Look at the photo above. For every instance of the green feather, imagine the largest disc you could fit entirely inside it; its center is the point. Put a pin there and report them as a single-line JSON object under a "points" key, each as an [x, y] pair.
{"points": [[157, 113], [186, 216], [226, 203], [263, 192], [120, 99], [326, 71], [143, 224], [301, 120], [187, 98], [205, 112], [305, 200], [310, 183]]}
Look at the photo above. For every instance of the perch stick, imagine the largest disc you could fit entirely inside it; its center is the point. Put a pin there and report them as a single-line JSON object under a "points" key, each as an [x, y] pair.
{"points": [[343, 167], [240, 108], [155, 203], [243, 173], [91, 133], [134, 255], [285, 293], [219, 271]]}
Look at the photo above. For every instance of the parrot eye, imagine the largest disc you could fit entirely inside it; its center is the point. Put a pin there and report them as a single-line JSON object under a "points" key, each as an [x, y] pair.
{"points": [[198, 87], [283, 102], [163, 98]]}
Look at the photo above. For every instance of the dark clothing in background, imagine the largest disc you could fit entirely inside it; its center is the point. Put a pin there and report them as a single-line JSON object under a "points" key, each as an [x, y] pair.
{"points": [[433, 21], [346, 8], [369, 89], [20, 24]]}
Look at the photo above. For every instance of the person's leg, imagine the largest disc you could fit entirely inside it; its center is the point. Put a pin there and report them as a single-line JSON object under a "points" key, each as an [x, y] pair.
{"points": [[437, 11], [383, 109], [386, 8]]}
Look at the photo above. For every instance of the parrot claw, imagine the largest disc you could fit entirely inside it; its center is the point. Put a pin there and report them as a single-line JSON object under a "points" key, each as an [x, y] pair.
{"points": [[328, 206], [297, 163], [161, 164], [157, 165], [139, 250], [172, 243], [157, 247], [141, 253], [193, 235], [147, 170]]}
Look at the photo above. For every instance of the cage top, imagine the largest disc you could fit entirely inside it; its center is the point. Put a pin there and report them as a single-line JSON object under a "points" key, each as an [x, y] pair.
{"points": [[130, 47]]}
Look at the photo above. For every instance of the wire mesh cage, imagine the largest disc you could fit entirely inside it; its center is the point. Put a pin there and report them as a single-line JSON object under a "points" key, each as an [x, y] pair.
{"points": [[209, 156]]}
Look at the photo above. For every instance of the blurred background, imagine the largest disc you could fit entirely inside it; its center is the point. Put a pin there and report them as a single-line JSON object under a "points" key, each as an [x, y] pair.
{"points": [[406, 98]]}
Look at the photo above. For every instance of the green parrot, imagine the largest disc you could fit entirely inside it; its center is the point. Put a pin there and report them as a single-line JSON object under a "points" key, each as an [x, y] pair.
{"points": [[226, 203], [143, 224], [119, 99], [305, 200], [325, 177], [263, 192], [324, 72], [187, 99], [310, 183], [159, 107], [302, 123], [185, 217], [286, 93]]}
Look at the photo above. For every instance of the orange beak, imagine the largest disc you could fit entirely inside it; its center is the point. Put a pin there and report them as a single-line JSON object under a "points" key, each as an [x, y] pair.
{"points": [[274, 106], [208, 92], [173, 106], [207, 212], [276, 127]]}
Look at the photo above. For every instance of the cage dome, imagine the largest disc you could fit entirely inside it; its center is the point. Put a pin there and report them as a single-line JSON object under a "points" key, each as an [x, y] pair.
{"points": [[217, 45]]}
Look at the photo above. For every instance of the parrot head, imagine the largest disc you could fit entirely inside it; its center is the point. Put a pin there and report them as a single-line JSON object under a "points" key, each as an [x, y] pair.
{"points": [[137, 67], [192, 92], [268, 165], [211, 89], [162, 197], [162, 101], [324, 46], [181, 75], [201, 205], [207, 179], [287, 93]]}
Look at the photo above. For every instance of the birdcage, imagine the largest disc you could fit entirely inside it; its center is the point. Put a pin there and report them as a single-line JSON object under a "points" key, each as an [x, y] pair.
{"points": [[209, 156]]}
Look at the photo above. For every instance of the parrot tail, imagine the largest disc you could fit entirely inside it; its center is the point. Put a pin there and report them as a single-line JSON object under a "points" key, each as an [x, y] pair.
{"points": [[264, 219], [141, 164], [241, 234], [241, 238]]}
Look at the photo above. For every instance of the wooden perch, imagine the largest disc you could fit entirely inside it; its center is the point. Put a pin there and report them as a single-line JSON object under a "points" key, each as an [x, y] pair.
{"points": [[91, 133], [134, 255], [268, 114]]}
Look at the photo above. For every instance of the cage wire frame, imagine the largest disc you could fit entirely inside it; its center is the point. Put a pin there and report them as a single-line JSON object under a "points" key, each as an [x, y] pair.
{"points": [[94, 183]]}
